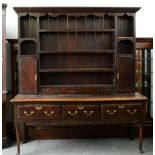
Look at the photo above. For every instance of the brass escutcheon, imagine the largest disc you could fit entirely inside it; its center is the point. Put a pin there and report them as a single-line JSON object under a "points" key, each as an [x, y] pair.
{"points": [[80, 107], [38, 108], [121, 106]]}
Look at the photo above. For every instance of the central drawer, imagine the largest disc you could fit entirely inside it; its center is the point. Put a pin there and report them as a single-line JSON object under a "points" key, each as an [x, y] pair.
{"points": [[39, 112], [81, 111]]}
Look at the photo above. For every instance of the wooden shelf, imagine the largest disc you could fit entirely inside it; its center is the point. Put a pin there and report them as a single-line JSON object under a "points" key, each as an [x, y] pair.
{"points": [[78, 51], [92, 85], [126, 38], [78, 70], [27, 39], [74, 31]]}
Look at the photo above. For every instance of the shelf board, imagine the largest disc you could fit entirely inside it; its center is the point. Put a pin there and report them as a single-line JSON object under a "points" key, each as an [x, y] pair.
{"points": [[78, 70], [77, 51], [125, 38], [74, 31], [27, 39], [28, 55], [86, 85], [125, 54]]}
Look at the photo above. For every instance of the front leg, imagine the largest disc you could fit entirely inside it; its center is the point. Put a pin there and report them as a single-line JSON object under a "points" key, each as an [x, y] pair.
{"points": [[140, 138], [18, 139], [23, 133]]}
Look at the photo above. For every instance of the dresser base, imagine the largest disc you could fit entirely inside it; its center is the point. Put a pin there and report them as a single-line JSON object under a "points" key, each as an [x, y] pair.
{"points": [[78, 111]]}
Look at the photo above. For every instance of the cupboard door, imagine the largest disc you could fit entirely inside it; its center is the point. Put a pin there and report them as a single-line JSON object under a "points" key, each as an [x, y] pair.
{"points": [[125, 74], [28, 75]]}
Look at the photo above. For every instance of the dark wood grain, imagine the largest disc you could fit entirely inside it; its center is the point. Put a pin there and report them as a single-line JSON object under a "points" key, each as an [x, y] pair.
{"points": [[125, 26], [76, 9], [28, 47], [28, 75], [68, 98], [125, 80], [27, 26], [76, 61]]}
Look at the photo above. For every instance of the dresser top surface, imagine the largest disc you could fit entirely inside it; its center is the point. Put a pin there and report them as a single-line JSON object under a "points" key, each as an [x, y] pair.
{"points": [[76, 9], [63, 98]]}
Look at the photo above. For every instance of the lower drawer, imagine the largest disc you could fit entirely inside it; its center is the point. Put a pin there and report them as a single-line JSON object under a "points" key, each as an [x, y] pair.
{"points": [[121, 111], [39, 112], [81, 111]]}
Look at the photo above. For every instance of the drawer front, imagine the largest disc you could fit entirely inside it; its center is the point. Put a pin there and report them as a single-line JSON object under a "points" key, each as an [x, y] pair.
{"points": [[87, 90], [81, 112], [106, 90], [68, 90], [49, 90], [39, 112], [122, 111]]}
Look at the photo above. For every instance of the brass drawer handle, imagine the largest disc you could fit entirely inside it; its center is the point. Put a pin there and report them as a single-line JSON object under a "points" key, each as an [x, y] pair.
{"points": [[38, 108], [88, 113], [132, 112], [28, 114], [72, 114], [111, 112], [49, 114]]}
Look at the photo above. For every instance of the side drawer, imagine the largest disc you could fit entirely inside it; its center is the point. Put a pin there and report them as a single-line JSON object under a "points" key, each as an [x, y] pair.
{"points": [[121, 111], [39, 112], [81, 112]]}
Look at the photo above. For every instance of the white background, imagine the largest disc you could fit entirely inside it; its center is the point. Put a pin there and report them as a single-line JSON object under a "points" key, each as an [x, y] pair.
{"points": [[144, 17]]}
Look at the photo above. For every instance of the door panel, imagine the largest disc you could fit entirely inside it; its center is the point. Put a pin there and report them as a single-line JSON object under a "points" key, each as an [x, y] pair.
{"points": [[28, 75], [125, 74]]}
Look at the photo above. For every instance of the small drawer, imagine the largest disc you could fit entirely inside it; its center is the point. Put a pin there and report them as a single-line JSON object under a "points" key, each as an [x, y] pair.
{"points": [[106, 90], [133, 111], [39, 112], [121, 111], [87, 90], [81, 112], [49, 90], [68, 90]]}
